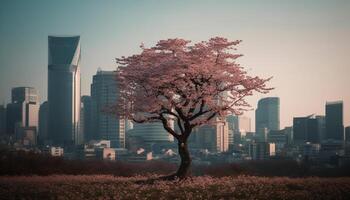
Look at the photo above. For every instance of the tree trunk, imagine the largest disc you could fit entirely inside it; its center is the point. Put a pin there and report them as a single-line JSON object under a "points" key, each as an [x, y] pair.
{"points": [[185, 165], [183, 170]]}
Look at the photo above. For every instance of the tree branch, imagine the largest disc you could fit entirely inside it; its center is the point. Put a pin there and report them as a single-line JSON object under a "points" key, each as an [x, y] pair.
{"points": [[167, 127]]}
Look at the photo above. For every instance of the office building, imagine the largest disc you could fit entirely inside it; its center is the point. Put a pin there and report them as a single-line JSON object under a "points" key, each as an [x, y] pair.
{"points": [[64, 89], [278, 137], [43, 122], [310, 150], [86, 121], [321, 122], [104, 93], [238, 126], [81, 136], [334, 121], [56, 151], [13, 117], [23, 110], [347, 134], [267, 115], [261, 150], [96, 150], [213, 137], [307, 129], [232, 123], [149, 134], [289, 134], [105, 154], [2, 120], [27, 136]]}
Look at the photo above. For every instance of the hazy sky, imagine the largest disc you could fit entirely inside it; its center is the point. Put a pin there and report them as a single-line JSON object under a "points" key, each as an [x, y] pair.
{"points": [[304, 45]]}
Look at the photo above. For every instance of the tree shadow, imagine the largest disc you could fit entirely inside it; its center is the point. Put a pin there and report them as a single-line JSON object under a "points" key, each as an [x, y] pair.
{"points": [[168, 178]]}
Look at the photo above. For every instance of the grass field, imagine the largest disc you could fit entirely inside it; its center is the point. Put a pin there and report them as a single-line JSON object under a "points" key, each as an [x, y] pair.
{"points": [[203, 187]]}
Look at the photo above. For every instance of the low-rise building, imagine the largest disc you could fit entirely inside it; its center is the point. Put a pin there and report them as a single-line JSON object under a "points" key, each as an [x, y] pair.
{"points": [[141, 155], [56, 151], [105, 153]]}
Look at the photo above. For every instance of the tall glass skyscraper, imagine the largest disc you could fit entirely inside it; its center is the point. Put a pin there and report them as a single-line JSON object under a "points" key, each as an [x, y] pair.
{"points": [[104, 93], [64, 89], [334, 121], [267, 115]]}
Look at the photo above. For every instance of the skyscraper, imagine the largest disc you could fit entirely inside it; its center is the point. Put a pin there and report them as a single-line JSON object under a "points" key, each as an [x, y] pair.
{"points": [[2, 120], [307, 129], [232, 122], [238, 126], [334, 121], [86, 115], [23, 110], [347, 134], [104, 93], [321, 122], [43, 121], [64, 89], [267, 115], [13, 116], [214, 137], [244, 124]]}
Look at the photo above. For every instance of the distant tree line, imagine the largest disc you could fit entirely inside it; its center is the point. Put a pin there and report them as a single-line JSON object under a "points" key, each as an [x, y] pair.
{"points": [[31, 163]]}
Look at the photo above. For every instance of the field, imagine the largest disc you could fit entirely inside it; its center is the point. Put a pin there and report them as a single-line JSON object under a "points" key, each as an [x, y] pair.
{"points": [[201, 187]]}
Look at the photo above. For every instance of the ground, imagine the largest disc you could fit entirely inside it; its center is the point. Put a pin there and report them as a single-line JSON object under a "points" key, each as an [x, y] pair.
{"points": [[202, 187]]}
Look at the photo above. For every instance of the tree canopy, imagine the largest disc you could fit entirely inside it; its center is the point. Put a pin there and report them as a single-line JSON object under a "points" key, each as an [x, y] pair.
{"points": [[190, 84]]}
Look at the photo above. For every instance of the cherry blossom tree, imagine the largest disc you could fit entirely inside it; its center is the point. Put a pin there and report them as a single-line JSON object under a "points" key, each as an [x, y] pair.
{"points": [[189, 85]]}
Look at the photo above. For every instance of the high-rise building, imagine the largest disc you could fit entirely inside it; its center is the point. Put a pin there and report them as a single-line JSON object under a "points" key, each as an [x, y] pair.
{"points": [[238, 126], [321, 122], [278, 137], [104, 93], [233, 130], [307, 129], [244, 124], [313, 134], [86, 115], [214, 137], [150, 134], [27, 136], [2, 120], [43, 121], [23, 110], [81, 135], [239, 123], [347, 134], [289, 134], [64, 89], [267, 115], [334, 121], [13, 117]]}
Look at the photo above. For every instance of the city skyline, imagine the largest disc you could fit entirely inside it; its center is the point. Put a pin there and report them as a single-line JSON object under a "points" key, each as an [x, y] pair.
{"points": [[297, 37], [164, 99]]}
